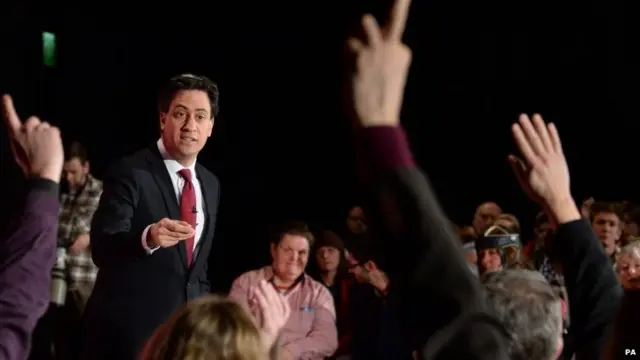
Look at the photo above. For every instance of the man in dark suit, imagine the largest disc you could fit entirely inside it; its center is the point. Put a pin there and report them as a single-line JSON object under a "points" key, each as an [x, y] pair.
{"points": [[153, 230]]}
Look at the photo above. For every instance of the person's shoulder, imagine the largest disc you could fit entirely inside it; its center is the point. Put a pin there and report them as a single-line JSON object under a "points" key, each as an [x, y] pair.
{"points": [[253, 276], [206, 175], [127, 164], [316, 287]]}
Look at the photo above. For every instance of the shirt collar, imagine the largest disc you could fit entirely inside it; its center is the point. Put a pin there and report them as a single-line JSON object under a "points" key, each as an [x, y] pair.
{"points": [[172, 165]]}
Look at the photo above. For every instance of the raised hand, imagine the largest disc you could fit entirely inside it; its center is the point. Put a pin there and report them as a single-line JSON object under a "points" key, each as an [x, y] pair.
{"points": [[274, 310], [381, 66], [36, 145], [542, 172]]}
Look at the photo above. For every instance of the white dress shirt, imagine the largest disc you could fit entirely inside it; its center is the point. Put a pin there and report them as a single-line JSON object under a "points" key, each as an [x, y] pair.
{"points": [[173, 167]]}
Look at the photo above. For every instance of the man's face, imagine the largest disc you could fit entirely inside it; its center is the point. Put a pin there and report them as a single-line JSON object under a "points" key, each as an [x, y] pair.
{"points": [[631, 229], [188, 123], [542, 230], [328, 258], [75, 173], [485, 216], [290, 256], [608, 228], [356, 221], [629, 272]]}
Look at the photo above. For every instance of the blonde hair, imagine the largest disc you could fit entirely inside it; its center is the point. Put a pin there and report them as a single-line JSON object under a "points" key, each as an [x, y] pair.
{"points": [[209, 328]]}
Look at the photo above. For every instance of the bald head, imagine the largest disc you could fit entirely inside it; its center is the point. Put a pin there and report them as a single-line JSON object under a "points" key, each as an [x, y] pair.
{"points": [[485, 215]]}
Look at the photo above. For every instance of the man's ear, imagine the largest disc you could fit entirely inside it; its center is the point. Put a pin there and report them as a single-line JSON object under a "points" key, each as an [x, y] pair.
{"points": [[163, 120]]}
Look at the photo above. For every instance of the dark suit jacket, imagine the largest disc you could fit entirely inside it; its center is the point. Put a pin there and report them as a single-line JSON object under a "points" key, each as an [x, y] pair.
{"points": [[136, 292], [27, 254]]}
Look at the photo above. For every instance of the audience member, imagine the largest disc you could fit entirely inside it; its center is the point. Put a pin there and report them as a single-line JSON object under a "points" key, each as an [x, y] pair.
{"points": [[28, 249], [310, 333]]}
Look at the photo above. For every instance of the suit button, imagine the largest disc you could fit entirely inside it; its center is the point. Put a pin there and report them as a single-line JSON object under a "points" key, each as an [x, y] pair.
{"points": [[188, 284]]}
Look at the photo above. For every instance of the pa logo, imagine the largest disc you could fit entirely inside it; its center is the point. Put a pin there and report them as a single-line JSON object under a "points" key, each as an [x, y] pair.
{"points": [[630, 352]]}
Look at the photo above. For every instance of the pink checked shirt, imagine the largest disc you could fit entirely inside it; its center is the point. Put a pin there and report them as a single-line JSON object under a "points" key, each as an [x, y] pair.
{"points": [[310, 333]]}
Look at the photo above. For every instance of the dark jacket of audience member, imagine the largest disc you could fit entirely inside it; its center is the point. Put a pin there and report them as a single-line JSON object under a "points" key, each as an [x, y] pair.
{"points": [[443, 309]]}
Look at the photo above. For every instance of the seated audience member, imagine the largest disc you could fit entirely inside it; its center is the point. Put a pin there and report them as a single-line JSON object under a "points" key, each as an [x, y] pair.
{"points": [[356, 221], [311, 332], [629, 266], [332, 272], [374, 322], [508, 222], [497, 249], [631, 225], [471, 255], [467, 234], [27, 251], [217, 328], [607, 223], [485, 215]]}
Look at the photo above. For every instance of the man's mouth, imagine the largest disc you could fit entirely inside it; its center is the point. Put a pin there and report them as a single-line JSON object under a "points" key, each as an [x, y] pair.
{"points": [[187, 138]]}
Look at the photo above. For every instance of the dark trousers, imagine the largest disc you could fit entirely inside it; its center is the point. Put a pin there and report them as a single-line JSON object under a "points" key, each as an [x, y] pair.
{"points": [[57, 334]]}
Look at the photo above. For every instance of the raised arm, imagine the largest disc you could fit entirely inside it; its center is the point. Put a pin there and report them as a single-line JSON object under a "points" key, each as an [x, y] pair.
{"points": [[425, 265], [592, 287], [27, 252]]}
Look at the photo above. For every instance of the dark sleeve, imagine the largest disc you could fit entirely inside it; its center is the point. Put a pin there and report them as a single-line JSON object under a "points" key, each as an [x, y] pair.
{"points": [[114, 238], [424, 260], [27, 254], [593, 289]]}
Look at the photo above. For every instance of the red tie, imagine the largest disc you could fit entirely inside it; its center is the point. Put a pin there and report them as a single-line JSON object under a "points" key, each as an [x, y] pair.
{"points": [[188, 211]]}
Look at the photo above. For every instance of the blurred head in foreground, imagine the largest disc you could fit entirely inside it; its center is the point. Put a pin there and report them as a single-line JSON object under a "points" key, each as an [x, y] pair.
{"points": [[209, 328], [531, 311]]}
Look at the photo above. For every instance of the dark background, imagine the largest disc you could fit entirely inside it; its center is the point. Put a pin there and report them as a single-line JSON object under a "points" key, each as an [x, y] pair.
{"points": [[281, 142]]}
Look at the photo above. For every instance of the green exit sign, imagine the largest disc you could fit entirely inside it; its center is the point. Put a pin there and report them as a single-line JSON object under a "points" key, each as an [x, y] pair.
{"points": [[49, 49]]}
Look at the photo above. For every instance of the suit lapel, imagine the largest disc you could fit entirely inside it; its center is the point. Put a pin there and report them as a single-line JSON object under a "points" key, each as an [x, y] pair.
{"points": [[162, 178]]}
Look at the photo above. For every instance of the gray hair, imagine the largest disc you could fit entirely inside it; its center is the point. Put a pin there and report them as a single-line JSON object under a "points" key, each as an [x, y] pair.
{"points": [[632, 249], [530, 310]]}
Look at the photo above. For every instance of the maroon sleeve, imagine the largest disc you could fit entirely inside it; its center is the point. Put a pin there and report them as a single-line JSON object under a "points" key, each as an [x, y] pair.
{"points": [[387, 147]]}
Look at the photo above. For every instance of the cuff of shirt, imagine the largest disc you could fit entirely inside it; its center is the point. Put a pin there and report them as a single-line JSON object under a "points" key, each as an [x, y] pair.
{"points": [[145, 246], [46, 185], [388, 146]]}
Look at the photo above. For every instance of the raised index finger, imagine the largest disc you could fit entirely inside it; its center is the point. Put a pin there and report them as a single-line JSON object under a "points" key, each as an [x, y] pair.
{"points": [[398, 19], [10, 116]]}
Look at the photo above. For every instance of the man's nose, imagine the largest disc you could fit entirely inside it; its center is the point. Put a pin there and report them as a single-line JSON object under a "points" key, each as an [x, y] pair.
{"points": [[190, 124]]}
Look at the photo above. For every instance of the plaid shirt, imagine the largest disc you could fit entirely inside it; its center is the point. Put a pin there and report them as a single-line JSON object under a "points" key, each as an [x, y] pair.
{"points": [[76, 212]]}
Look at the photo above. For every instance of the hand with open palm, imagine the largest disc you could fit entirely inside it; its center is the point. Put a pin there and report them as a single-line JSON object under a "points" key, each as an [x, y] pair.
{"points": [[542, 172], [274, 311]]}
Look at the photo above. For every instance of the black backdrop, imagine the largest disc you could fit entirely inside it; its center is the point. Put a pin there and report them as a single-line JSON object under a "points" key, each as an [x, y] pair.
{"points": [[280, 144]]}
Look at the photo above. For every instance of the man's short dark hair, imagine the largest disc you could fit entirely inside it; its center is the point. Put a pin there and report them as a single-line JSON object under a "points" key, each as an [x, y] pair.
{"points": [[76, 150], [530, 310], [188, 82], [601, 207], [293, 227]]}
